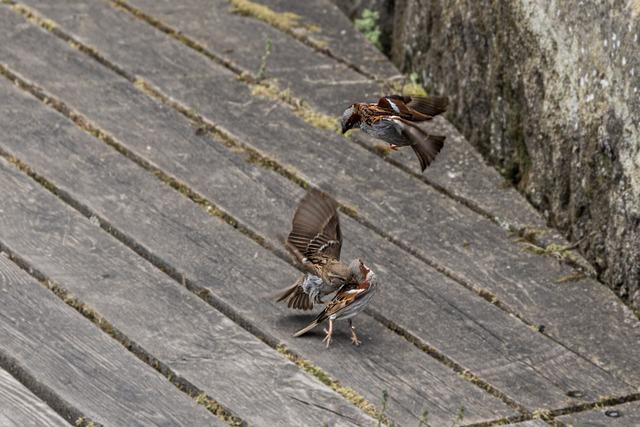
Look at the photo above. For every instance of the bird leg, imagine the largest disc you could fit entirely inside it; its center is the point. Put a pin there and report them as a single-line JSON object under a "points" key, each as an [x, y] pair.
{"points": [[354, 337], [329, 333], [393, 147]]}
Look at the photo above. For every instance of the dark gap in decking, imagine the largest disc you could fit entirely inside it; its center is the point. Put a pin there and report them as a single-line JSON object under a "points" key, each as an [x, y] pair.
{"points": [[605, 402], [448, 362], [72, 415], [105, 326], [549, 416], [247, 77], [174, 273]]}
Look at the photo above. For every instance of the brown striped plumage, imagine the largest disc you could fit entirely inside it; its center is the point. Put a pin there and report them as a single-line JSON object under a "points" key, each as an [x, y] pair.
{"points": [[393, 119]]}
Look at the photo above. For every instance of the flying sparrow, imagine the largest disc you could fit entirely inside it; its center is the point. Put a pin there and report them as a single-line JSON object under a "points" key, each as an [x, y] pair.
{"points": [[350, 300], [315, 240], [393, 119]]}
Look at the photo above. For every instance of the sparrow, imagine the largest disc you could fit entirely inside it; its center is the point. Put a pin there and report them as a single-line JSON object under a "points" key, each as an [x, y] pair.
{"points": [[393, 119], [350, 300], [315, 241]]}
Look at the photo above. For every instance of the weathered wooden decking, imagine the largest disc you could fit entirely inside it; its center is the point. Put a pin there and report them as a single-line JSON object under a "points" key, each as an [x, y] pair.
{"points": [[146, 183]]}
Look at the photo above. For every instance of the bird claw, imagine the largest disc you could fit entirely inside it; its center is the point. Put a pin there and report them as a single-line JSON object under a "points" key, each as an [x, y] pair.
{"points": [[355, 341], [393, 147], [327, 338]]}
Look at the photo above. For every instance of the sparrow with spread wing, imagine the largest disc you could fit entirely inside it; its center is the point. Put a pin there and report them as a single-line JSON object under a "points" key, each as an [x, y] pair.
{"points": [[316, 240], [393, 119]]}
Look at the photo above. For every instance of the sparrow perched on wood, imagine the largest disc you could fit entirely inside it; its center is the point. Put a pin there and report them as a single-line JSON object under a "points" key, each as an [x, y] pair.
{"points": [[393, 119], [316, 240]]}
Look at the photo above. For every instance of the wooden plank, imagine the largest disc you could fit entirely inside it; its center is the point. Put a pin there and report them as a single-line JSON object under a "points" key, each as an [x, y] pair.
{"points": [[459, 169], [67, 357], [163, 318], [468, 246], [244, 40], [530, 368], [210, 248], [19, 407], [625, 415], [338, 34]]}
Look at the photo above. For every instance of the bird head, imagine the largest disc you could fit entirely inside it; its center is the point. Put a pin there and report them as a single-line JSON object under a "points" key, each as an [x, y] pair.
{"points": [[358, 271], [350, 118]]}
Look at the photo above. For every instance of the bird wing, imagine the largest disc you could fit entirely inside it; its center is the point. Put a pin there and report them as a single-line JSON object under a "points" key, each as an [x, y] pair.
{"points": [[343, 299], [415, 108], [315, 229], [424, 145]]}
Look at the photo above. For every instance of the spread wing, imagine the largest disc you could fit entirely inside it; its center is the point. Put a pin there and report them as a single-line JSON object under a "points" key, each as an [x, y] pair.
{"points": [[315, 227], [425, 146], [414, 108]]}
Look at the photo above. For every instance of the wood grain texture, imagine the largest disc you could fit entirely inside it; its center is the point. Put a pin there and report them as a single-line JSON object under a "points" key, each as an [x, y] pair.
{"points": [[238, 271], [338, 34], [19, 407], [69, 357], [469, 246], [625, 415], [459, 168]]}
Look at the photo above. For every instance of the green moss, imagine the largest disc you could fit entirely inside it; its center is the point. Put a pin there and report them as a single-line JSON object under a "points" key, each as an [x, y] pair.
{"points": [[367, 24], [572, 277], [84, 422], [347, 392], [262, 71], [316, 119], [215, 408], [286, 22]]}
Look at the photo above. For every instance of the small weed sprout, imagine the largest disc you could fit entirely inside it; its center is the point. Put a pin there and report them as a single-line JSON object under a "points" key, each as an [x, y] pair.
{"points": [[368, 25], [422, 421], [262, 71], [458, 419]]}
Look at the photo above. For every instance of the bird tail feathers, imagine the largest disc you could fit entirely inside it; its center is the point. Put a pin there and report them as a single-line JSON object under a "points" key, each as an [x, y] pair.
{"points": [[427, 149], [306, 328]]}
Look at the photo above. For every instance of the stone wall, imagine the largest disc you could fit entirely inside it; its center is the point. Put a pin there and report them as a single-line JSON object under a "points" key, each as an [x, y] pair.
{"points": [[549, 92]]}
